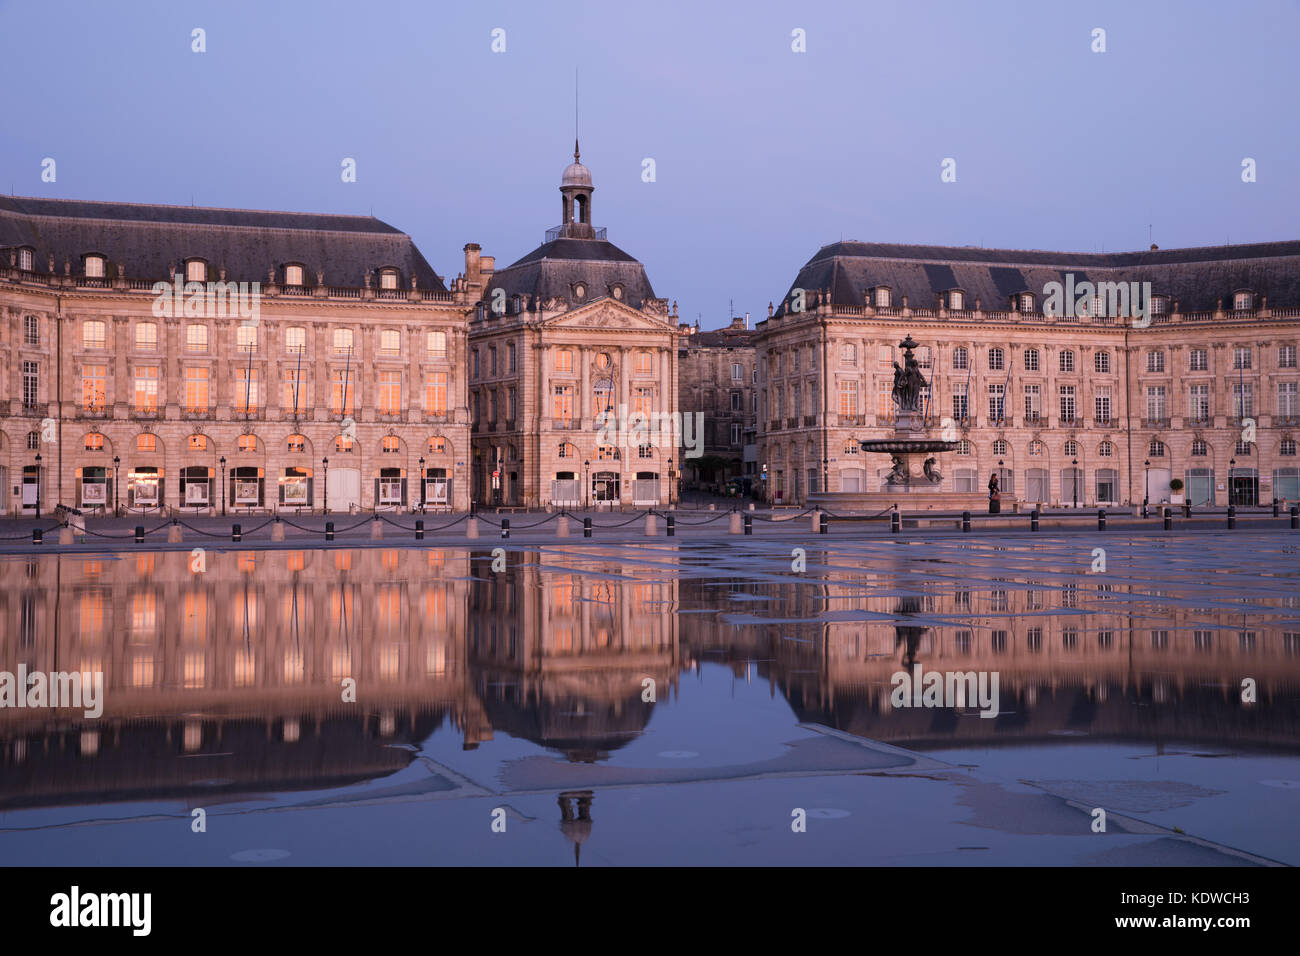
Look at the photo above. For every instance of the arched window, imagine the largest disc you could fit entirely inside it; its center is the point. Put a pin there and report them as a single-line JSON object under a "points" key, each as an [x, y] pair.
{"points": [[197, 443], [293, 275], [883, 297], [851, 447], [296, 444], [1027, 302], [960, 357], [1101, 361], [1156, 449], [390, 445], [997, 360], [1031, 360], [146, 443], [1000, 447], [437, 445], [1071, 449], [343, 444], [1199, 447], [1105, 450], [1036, 449], [956, 300], [93, 442], [196, 270], [246, 443], [388, 278]]}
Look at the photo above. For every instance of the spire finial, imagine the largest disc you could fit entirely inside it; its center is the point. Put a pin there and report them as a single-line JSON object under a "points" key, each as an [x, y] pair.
{"points": [[575, 149]]}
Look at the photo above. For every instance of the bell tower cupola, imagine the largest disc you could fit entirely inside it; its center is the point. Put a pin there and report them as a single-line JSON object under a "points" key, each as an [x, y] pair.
{"points": [[576, 188]]}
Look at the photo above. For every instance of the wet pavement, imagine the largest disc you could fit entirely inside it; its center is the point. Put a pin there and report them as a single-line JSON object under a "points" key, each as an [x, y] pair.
{"points": [[728, 701]]}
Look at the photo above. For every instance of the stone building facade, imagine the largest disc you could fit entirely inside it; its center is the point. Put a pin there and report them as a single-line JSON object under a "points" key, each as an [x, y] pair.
{"points": [[568, 347], [718, 380], [330, 357], [1069, 406]]}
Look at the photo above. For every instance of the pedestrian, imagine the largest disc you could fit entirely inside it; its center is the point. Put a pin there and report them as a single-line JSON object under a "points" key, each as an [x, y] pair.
{"points": [[995, 496]]}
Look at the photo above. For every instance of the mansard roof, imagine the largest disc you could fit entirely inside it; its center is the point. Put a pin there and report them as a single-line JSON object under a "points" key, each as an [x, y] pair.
{"points": [[247, 243], [553, 268], [1198, 278]]}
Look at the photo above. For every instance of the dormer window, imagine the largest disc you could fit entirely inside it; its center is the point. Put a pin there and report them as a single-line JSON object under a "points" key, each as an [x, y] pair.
{"points": [[883, 297], [196, 270], [1159, 304], [388, 278], [956, 300], [1026, 301], [1243, 301], [26, 259], [94, 267], [293, 275]]}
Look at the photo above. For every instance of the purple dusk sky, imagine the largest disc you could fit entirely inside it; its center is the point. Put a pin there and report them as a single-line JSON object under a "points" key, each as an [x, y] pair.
{"points": [[762, 154]]}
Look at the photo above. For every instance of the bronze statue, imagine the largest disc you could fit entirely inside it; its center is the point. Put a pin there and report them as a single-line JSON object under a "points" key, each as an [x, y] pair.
{"points": [[908, 380], [899, 476], [931, 472]]}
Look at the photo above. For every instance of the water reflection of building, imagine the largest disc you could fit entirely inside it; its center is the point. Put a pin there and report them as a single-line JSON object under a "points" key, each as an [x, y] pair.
{"points": [[1089, 657], [561, 656]]}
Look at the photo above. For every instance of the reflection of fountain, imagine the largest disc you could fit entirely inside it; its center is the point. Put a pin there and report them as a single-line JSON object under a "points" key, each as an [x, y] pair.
{"points": [[575, 821], [907, 636]]}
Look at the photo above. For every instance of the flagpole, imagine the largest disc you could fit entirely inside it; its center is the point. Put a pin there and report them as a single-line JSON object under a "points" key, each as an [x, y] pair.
{"points": [[970, 367]]}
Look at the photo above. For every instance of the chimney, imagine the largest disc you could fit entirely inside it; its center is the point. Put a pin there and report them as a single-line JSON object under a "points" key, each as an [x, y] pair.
{"points": [[472, 259], [1154, 247]]}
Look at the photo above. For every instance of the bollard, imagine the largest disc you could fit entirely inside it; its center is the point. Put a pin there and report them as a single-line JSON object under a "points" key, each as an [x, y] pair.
{"points": [[277, 530], [965, 521], [1187, 509], [1169, 517], [471, 527], [38, 536], [139, 534], [713, 506], [235, 533], [749, 524], [650, 530], [733, 523], [174, 533], [419, 529], [1101, 519], [1033, 519], [895, 522], [816, 520], [1232, 517], [562, 526], [586, 527], [505, 527], [65, 535], [1276, 512], [329, 530], [1295, 517], [671, 524]]}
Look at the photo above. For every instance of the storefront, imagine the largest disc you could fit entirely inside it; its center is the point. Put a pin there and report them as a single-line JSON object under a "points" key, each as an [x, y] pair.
{"points": [[390, 488], [1199, 483], [144, 488], [605, 486], [296, 488], [246, 486], [196, 487], [437, 488], [94, 488], [566, 490], [645, 489]]}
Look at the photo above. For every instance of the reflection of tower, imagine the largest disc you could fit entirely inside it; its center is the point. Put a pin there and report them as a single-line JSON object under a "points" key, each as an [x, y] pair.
{"points": [[577, 827], [908, 637]]}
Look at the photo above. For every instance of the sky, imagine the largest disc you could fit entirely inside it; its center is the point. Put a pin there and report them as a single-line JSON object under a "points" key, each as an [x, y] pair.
{"points": [[761, 154]]}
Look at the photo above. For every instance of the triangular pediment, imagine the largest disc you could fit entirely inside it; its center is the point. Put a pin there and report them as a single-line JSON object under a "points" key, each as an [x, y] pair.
{"points": [[608, 314]]}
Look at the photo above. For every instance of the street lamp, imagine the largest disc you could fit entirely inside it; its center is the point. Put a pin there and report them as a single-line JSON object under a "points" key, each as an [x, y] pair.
{"points": [[38, 486], [826, 475], [670, 482], [422, 501], [1002, 480], [1146, 493], [585, 465], [1074, 480], [223, 486], [325, 504], [116, 463], [1232, 490]]}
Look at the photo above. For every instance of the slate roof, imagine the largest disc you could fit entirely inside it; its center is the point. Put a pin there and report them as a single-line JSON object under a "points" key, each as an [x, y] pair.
{"points": [[247, 243], [552, 269], [1196, 277]]}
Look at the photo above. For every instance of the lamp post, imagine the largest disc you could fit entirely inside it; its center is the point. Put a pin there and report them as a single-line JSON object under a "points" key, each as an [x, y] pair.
{"points": [[116, 463], [585, 465], [1074, 480], [1002, 481], [1232, 489], [223, 485], [422, 501], [1146, 485], [38, 486], [325, 504], [670, 482], [826, 475], [763, 479]]}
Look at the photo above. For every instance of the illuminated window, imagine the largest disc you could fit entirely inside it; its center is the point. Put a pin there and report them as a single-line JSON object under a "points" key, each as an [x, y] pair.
{"points": [[146, 442], [198, 443], [644, 363], [295, 339], [196, 338], [296, 444], [247, 443], [293, 275], [196, 270], [92, 334], [388, 279], [146, 389], [146, 336], [391, 445], [343, 444], [602, 360], [435, 393], [437, 344], [93, 442], [390, 393], [246, 338], [196, 390], [437, 445], [851, 447], [93, 382], [342, 392], [564, 360], [248, 394], [390, 342], [342, 341]]}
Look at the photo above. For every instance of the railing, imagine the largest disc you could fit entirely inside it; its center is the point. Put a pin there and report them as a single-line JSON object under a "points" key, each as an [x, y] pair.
{"points": [[555, 231], [1155, 423], [792, 422], [809, 421], [775, 426]]}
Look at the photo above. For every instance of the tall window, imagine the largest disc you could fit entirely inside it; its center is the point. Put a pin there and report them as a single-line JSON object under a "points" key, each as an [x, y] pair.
{"points": [[960, 358], [390, 393], [196, 270], [1242, 301], [437, 344], [294, 400], [1068, 407], [92, 334], [247, 395], [196, 338], [997, 360], [93, 379], [849, 355], [1198, 360], [1241, 358], [960, 403], [643, 400], [1155, 361], [146, 336], [293, 275], [1033, 402], [1101, 402], [25, 260], [1101, 362], [511, 359], [1198, 406], [1287, 406], [342, 391], [1156, 449], [31, 330], [564, 360], [737, 372], [246, 338], [1286, 356], [1157, 409], [388, 279], [1067, 360], [1243, 399], [435, 393], [849, 398], [295, 339], [390, 342], [342, 341], [997, 402], [1200, 448], [562, 403], [644, 363], [882, 298], [196, 390], [94, 267], [146, 388], [1031, 360], [30, 384], [1071, 449]]}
